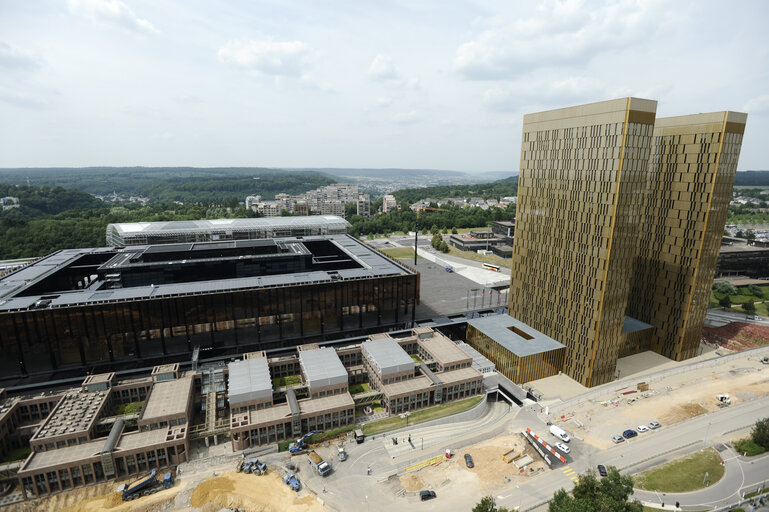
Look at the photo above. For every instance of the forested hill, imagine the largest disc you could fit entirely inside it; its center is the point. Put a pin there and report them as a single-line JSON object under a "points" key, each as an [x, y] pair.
{"points": [[493, 190], [39, 201], [164, 184], [752, 178]]}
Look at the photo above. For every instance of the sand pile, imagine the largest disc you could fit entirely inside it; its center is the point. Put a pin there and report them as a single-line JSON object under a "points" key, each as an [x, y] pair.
{"points": [[412, 482], [252, 493]]}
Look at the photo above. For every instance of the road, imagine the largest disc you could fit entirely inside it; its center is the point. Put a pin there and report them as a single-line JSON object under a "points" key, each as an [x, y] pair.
{"points": [[720, 317]]}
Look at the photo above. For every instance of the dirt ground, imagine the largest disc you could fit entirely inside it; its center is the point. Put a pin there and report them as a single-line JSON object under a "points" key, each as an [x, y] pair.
{"points": [[489, 472], [265, 493], [596, 422]]}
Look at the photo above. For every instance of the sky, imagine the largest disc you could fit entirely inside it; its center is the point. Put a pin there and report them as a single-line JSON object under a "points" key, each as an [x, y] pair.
{"points": [[360, 83]]}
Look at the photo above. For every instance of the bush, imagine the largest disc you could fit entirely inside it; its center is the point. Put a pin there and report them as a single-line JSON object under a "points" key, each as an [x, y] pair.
{"points": [[748, 447], [725, 288], [760, 433], [726, 302], [756, 291]]}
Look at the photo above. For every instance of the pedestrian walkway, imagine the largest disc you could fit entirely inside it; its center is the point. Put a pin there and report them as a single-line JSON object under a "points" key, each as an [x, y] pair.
{"points": [[571, 473]]}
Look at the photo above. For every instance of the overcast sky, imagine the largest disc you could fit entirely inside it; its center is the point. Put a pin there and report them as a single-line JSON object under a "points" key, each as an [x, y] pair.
{"points": [[411, 84]]}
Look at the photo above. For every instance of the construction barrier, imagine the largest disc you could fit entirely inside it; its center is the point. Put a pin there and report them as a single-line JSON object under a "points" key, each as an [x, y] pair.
{"points": [[545, 445]]}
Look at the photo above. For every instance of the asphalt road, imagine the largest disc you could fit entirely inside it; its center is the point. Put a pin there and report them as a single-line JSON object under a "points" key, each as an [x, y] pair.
{"points": [[725, 317]]}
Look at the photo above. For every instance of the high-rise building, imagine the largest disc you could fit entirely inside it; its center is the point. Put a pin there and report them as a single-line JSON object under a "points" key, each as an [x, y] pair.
{"points": [[618, 227], [580, 188], [689, 186], [364, 205], [389, 204]]}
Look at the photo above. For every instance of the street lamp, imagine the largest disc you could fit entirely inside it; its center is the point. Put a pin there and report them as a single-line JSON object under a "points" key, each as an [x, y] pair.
{"points": [[368, 507]]}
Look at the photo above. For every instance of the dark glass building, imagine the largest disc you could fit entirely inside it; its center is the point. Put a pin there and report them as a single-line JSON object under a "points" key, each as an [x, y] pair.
{"points": [[106, 307]]}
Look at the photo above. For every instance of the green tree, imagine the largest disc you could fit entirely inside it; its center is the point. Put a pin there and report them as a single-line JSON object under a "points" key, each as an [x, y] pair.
{"points": [[435, 230], [454, 231], [726, 302], [725, 287], [443, 247], [590, 494], [487, 504], [760, 433], [756, 291], [749, 307]]}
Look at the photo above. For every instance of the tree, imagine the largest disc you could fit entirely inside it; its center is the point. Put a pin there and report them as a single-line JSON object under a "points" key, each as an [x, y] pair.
{"points": [[487, 504], [726, 302], [725, 288], [590, 494], [443, 247], [756, 291], [760, 433], [749, 307]]}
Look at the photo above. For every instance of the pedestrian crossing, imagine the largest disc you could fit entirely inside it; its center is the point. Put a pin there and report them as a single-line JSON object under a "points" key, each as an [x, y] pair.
{"points": [[570, 473]]}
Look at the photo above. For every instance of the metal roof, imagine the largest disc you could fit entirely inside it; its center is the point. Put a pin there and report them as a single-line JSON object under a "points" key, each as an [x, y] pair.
{"points": [[371, 264], [322, 368], [217, 225], [633, 325], [387, 356], [499, 329], [168, 398], [249, 380]]}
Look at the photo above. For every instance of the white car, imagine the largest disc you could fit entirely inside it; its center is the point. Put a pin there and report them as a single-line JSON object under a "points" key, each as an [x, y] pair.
{"points": [[562, 447], [643, 428]]}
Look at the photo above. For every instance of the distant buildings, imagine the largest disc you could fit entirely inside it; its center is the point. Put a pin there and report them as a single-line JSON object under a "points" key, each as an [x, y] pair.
{"points": [[9, 202], [389, 204], [328, 200], [364, 205]]}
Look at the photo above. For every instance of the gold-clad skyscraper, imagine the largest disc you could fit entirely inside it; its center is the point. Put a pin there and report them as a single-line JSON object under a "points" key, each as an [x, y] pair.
{"points": [[618, 215], [689, 186]]}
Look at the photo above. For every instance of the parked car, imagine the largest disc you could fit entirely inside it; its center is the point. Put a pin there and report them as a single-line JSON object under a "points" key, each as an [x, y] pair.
{"points": [[562, 447], [426, 495], [602, 470], [618, 439], [469, 461], [654, 424], [643, 428], [629, 433]]}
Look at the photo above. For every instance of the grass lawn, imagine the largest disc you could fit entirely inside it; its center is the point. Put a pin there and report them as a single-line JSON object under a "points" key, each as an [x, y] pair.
{"points": [[400, 252], [416, 358], [748, 447], [129, 408], [291, 380], [683, 475], [474, 256], [18, 454], [356, 389], [440, 411]]}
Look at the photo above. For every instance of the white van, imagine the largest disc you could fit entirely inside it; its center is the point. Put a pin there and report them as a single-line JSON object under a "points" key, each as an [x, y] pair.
{"points": [[559, 433]]}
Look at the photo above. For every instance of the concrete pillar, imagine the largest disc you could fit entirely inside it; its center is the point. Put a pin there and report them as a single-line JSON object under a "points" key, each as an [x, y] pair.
{"points": [[207, 442], [216, 439]]}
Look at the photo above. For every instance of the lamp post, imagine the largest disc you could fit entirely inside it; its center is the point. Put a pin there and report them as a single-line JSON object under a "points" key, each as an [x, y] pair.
{"points": [[368, 507]]}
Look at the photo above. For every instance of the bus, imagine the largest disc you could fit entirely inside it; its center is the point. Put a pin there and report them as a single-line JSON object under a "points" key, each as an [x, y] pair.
{"points": [[491, 266]]}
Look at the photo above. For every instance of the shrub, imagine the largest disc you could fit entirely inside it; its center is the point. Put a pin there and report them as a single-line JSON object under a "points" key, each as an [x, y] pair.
{"points": [[725, 288], [756, 291]]}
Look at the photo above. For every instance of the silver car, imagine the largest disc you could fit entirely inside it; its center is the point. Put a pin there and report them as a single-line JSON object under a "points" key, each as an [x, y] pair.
{"points": [[617, 439], [654, 424]]}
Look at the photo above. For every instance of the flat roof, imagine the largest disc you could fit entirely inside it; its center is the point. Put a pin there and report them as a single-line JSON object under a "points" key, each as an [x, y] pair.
{"points": [[479, 360], [23, 288], [66, 455], [634, 325], [249, 380], [387, 356], [499, 329], [75, 413], [421, 383], [168, 398], [322, 367], [462, 374], [442, 349], [194, 226], [269, 414], [139, 439], [313, 406]]}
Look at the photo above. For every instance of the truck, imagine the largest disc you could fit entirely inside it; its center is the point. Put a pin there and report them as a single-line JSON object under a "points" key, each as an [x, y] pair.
{"points": [[291, 480], [258, 467], [359, 437], [723, 399], [321, 466], [559, 433], [342, 454], [145, 485]]}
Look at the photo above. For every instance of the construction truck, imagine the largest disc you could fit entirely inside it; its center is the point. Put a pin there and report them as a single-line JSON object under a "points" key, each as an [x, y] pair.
{"points": [[298, 446], [258, 467], [145, 485], [291, 480], [321, 466]]}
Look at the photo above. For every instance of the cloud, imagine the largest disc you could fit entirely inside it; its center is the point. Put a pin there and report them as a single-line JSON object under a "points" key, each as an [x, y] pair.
{"points": [[757, 105], [13, 57], [20, 99], [559, 33], [406, 118], [281, 58], [382, 69], [512, 96], [383, 102], [111, 12]]}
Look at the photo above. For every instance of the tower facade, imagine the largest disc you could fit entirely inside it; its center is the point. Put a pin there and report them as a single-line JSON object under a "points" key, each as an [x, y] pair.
{"points": [[689, 186], [620, 214], [580, 190]]}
